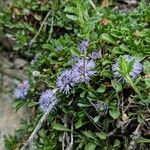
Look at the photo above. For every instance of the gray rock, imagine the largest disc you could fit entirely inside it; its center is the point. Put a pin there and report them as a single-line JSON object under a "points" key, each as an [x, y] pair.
{"points": [[10, 120], [20, 63]]}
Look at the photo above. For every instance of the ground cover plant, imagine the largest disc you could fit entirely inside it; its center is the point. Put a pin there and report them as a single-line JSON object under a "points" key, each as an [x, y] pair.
{"points": [[89, 76]]}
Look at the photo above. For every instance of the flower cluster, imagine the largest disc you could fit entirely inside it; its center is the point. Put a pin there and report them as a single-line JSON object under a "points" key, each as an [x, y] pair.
{"points": [[22, 90], [83, 45], [47, 98], [65, 81], [101, 107], [81, 72], [95, 55], [135, 71]]}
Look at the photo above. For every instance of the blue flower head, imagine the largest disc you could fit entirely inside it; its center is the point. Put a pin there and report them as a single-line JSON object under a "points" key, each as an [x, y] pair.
{"points": [[137, 67], [46, 99], [95, 55], [83, 45], [83, 70], [22, 90], [65, 81]]}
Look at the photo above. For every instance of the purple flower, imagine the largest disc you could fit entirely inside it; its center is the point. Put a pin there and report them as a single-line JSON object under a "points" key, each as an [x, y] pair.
{"points": [[95, 55], [83, 45], [135, 71], [22, 89], [65, 81], [83, 70], [101, 107], [47, 98]]}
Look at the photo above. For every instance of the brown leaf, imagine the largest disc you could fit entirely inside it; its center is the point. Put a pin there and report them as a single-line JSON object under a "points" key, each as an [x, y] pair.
{"points": [[105, 22], [125, 117], [137, 33], [105, 3]]}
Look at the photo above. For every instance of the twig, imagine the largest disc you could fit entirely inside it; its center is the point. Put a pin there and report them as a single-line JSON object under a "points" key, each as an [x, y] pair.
{"points": [[136, 134], [130, 102], [91, 119], [65, 133], [42, 24], [40, 123], [70, 146], [51, 29]]}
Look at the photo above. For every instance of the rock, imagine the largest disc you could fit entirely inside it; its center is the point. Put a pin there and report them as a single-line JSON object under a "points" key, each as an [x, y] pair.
{"points": [[20, 63], [10, 74]]}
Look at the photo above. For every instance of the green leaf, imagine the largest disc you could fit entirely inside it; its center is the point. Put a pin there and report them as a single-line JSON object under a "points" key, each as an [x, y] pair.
{"points": [[116, 144], [89, 134], [83, 105], [18, 104], [90, 146], [37, 17], [75, 51], [92, 94], [101, 135], [80, 123], [116, 85], [143, 140], [101, 89], [82, 94], [32, 103], [114, 113], [108, 38], [96, 119], [47, 46], [60, 127], [72, 17], [147, 82]]}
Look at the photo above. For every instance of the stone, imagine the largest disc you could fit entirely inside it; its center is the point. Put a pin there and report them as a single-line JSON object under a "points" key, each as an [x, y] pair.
{"points": [[10, 76], [20, 63]]}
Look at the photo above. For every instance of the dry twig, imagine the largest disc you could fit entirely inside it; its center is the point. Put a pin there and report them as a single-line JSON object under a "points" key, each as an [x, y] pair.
{"points": [[40, 123], [42, 24], [135, 135]]}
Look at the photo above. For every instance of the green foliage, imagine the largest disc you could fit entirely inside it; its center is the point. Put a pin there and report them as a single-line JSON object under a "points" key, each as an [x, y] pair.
{"points": [[112, 32]]}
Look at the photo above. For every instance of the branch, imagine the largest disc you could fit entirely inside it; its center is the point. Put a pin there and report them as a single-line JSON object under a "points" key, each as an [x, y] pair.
{"points": [[136, 134], [51, 29], [43, 23], [70, 146], [40, 123]]}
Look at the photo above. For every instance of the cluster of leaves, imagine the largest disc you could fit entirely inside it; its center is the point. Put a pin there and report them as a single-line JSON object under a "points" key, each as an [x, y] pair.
{"points": [[113, 33]]}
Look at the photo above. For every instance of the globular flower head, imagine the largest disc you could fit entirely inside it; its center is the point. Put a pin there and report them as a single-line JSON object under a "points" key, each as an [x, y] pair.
{"points": [[101, 107], [95, 55], [137, 67], [83, 70], [65, 81], [22, 90], [46, 99], [83, 45]]}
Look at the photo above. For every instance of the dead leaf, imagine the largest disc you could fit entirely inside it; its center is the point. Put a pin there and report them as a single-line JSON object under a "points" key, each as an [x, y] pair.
{"points": [[105, 22], [15, 12], [105, 3], [125, 117], [137, 33]]}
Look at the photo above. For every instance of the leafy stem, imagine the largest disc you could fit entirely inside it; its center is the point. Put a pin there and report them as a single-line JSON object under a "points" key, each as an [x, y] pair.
{"points": [[129, 80]]}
